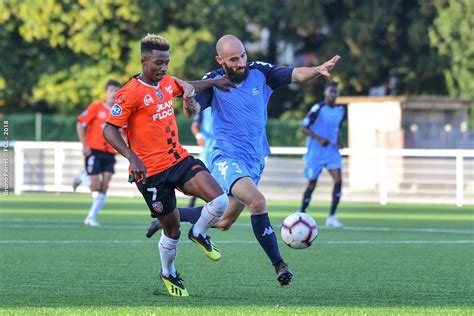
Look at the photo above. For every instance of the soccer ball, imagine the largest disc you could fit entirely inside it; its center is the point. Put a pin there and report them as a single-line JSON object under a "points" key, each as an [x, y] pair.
{"points": [[299, 230]]}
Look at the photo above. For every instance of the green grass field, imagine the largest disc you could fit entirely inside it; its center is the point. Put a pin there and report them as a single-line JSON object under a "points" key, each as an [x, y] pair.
{"points": [[396, 259]]}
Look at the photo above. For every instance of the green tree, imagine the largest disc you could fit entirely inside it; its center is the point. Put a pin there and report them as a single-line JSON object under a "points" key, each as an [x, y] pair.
{"points": [[452, 35], [59, 54]]}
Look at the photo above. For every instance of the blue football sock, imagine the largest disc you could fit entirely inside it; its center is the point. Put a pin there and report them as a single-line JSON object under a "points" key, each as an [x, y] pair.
{"points": [[190, 214], [266, 237]]}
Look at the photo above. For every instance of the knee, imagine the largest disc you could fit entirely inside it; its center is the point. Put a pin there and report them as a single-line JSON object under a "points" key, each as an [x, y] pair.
{"points": [[104, 187], [258, 205], [311, 185], [219, 205], [172, 232]]}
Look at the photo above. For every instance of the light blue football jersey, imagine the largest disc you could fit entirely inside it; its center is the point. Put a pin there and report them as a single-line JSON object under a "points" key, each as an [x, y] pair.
{"points": [[324, 121], [204, 118], [239, 116]]}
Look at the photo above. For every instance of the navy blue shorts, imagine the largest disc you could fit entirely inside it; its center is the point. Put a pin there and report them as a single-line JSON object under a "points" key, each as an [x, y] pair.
{"points": [[100, 161], [158, 190]]}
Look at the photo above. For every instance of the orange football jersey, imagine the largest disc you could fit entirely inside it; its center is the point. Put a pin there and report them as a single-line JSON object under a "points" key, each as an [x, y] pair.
{"points": [[148, 113], [94, 117]]}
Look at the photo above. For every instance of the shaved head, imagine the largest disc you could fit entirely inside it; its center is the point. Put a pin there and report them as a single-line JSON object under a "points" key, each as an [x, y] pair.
{"points": [[227, 44], [232, 57]]}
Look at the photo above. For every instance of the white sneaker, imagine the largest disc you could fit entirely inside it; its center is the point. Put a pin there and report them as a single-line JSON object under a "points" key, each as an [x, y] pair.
{"points": [[91, 222], [332, 221]]}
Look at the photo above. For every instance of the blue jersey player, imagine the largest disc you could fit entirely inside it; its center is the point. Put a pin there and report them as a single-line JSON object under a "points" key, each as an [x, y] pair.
{"points": [[202, 130], [239, 118], [322, 125]]}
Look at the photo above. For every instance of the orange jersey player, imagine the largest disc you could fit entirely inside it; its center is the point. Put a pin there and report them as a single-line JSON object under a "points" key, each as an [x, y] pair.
{"points": [[99, 155], [93, 118], [152, 131], [158, 162]]}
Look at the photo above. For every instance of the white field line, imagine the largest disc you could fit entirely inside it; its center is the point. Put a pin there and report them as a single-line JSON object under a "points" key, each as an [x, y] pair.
{"points": [[342, 242], [48, 224]]}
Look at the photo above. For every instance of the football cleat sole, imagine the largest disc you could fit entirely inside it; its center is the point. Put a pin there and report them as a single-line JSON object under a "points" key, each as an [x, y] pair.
{"points": [[284, 275], [174, 289], [285, 278], [213, 253]]}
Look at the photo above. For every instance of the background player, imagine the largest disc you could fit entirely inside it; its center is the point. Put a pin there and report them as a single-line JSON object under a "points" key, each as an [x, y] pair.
{"points": [[202, 130], [239, 118], [322, 124], [158, 162], [99, 155]]}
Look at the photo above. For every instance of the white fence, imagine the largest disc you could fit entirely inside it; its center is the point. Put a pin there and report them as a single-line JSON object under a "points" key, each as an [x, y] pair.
{"points": [[393, 175]]}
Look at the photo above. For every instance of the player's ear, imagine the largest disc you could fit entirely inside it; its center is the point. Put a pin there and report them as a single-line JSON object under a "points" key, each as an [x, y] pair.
{"points": [[219, 60]]}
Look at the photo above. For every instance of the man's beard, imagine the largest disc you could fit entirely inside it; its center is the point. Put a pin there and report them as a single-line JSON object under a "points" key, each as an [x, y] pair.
{"points": [[235, 76]]}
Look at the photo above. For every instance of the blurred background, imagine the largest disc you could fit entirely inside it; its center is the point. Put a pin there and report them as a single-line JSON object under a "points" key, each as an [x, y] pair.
{"points": [[406, 76]]}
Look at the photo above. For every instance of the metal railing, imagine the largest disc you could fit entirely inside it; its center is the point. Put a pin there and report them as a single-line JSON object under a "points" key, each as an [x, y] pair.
{"points": [[383, 175]]}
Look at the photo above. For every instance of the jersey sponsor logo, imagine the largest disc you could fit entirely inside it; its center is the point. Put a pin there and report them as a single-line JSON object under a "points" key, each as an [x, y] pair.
{"points": [[268, 231], [164, 110], [255, 90], [102, 115], [148, 99], [160, 96], [157, 206], [169, 89], [116, 110]]}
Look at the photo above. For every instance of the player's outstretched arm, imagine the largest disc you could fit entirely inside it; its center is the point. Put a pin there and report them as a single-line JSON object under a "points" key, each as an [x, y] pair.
{"points": [[188, 89], [112, 135], [303, 74], [190, 106], [222, 83]]}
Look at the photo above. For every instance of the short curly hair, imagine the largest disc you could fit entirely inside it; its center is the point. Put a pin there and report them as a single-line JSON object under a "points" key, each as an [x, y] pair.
{"points": [[154, 42]]}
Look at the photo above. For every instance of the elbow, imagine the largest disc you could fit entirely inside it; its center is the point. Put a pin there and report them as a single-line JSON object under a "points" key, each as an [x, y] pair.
{"points": [[295, 78]]}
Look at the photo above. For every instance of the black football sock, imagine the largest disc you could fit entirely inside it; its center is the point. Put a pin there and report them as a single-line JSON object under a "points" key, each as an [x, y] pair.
{"points": [[336, 196], [266, 237], [190, 214], [192, 201], [306, 199]]}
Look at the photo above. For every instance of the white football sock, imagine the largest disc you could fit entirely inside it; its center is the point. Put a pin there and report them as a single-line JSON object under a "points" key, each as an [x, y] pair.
{"points": [[168, 249], [98, 200], [84, 178], [211, 214]]}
